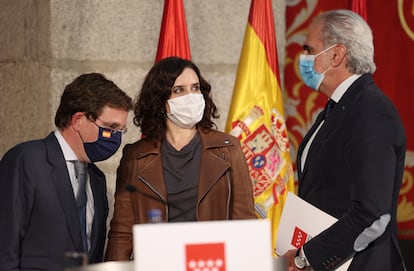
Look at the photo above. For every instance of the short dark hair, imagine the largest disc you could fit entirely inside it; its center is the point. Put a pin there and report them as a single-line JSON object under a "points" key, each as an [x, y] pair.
{"points": [[90, 93], [150, 107]]}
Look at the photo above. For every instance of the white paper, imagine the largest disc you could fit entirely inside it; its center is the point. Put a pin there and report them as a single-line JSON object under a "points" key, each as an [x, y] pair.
{"points": [[299, 222]]}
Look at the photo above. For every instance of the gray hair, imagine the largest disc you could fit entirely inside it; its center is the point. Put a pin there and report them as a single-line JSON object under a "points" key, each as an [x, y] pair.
{"points": [[349, 29]]}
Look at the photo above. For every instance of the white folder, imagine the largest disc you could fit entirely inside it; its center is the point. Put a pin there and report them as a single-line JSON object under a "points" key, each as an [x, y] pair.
{"points": [[299, 222]]}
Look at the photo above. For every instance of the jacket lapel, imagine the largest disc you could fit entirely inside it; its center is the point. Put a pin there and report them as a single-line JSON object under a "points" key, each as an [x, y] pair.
{"points": [[336, 116], [212, 166], [152, 171], [305, 141], [98, 184], [60, 177]]}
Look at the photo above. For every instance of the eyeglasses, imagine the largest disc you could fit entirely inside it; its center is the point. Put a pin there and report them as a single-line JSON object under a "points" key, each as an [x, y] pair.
{"points": [[113, 128]]}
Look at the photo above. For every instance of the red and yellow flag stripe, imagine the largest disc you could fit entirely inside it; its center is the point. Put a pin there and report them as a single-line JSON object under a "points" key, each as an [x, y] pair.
{"points": [[256, 115]]}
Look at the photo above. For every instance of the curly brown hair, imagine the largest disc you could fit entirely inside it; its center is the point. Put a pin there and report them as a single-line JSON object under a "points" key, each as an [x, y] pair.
{"points": [[150, 107]]}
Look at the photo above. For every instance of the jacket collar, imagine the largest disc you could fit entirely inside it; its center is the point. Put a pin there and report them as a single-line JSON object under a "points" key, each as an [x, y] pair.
{"points": [[208, 141], [149, 147], [214, 141], [212, 167]]}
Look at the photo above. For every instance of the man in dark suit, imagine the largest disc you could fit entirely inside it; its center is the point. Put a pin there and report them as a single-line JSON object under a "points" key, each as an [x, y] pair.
{"points": [[351, 162], [47, 206]]}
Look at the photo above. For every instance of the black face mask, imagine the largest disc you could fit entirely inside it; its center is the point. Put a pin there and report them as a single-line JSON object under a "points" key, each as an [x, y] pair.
{"points": [[105, 146]]}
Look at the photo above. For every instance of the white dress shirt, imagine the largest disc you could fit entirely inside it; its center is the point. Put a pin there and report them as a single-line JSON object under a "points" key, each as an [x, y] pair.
{"points": [[70, 156]]}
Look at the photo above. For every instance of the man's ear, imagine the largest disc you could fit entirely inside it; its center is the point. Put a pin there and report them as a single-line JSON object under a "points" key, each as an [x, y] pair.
{"points": [[77, 119], [339, 53]]}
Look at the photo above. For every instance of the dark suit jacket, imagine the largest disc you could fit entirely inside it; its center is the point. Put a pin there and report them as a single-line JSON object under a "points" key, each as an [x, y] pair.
{"points": [[38, 218], [354, 171]]}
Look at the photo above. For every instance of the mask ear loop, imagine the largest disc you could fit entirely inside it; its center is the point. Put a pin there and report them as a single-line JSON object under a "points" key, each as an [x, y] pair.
{"points": [[83, 141], [330, 67], [322, 52], [325, 50], [77, 125]]}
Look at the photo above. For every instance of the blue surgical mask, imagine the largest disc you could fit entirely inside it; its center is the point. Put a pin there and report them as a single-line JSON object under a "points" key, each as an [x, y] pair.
{"points": [[105, 146], [310, 77]]}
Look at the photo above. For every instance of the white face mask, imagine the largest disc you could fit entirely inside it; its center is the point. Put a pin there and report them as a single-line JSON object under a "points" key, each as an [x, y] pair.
{"points": [[186, 111]]}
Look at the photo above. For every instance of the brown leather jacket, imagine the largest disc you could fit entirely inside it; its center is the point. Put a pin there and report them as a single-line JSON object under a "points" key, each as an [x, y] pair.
{"points": [[224, 192]]}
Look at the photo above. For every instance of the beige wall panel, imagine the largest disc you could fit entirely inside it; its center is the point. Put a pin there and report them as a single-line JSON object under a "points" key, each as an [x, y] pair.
{"points": [[24, 71], [105, 30], [25, 109]]}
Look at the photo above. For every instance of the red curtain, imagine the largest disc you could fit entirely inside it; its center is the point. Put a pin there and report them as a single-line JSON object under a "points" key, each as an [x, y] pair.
{"points": [[360, 7], [392, 23]]}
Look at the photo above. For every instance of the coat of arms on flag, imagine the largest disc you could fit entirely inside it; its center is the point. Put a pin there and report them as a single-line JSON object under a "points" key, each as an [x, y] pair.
{"points": [[262, 148]]}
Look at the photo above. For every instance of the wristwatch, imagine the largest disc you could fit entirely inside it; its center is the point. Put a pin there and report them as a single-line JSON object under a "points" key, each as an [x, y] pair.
{"points": [[300, 262]]}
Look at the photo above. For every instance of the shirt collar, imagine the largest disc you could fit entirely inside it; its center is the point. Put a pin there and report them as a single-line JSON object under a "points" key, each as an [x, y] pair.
{"points": [[66, 149], [342, 88]]}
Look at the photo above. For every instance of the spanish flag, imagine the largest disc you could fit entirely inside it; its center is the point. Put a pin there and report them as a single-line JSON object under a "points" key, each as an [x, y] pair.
{"points": [[256, 116], [173, 39]]}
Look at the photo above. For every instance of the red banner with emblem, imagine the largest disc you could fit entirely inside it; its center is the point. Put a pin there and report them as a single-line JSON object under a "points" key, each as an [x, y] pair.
{"points": [[392, 23]]}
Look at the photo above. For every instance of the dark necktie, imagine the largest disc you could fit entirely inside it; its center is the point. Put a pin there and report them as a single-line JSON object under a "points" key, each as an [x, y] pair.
{"points": [[329, 106], [80, 172]]}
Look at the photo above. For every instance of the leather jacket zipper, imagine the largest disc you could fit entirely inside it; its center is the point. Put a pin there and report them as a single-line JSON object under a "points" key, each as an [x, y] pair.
{"points": [[157, 193], [230, 190]]}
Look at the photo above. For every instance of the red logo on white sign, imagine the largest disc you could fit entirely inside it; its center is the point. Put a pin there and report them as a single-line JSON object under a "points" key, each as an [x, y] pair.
{"points": [[205, 257]]}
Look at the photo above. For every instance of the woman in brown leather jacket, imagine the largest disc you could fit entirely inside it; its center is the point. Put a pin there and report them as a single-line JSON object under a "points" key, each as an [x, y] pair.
{"points": [[182, 165]]}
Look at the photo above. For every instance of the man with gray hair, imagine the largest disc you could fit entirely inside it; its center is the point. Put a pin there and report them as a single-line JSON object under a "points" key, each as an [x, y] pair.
{"points": [[351, 162]]}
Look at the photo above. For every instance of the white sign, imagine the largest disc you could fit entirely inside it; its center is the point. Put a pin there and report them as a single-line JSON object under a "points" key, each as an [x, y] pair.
{"points": [[234, 245]]}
